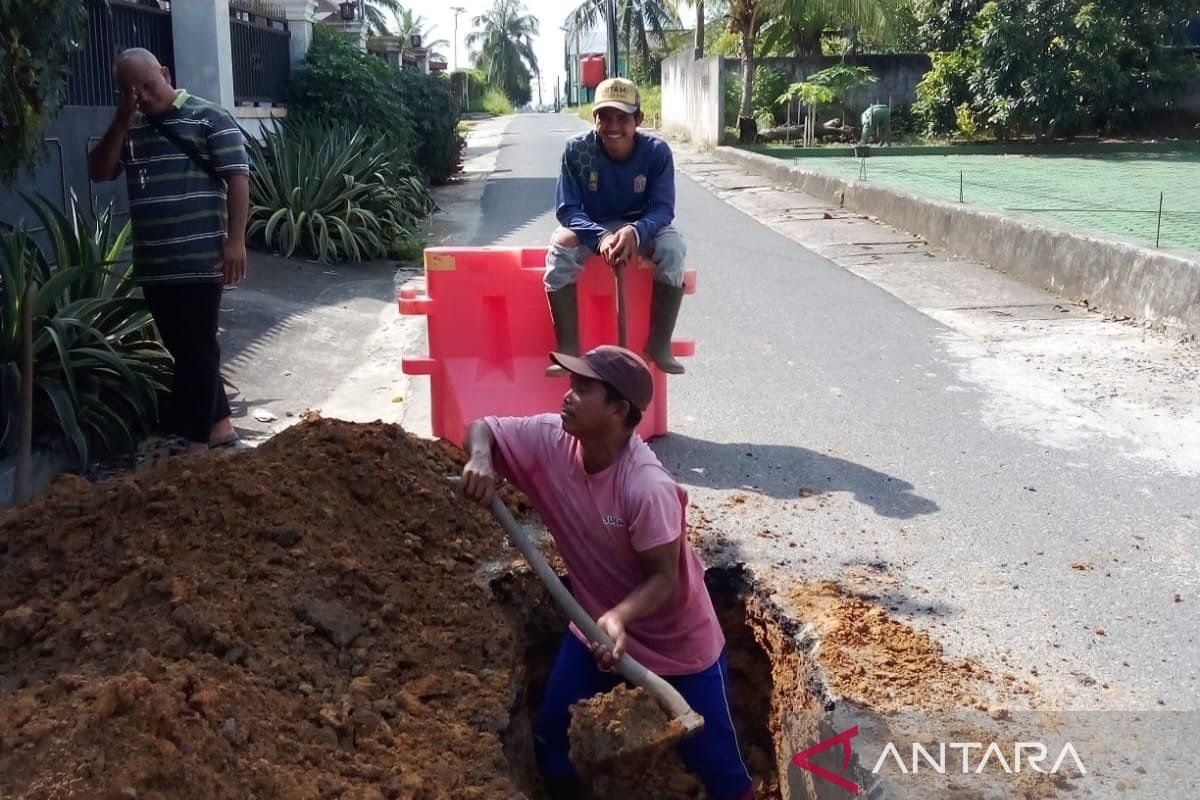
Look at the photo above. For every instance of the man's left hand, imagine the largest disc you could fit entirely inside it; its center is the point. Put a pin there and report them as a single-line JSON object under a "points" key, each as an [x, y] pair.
{"points": [[233, 260], [612, 624]]}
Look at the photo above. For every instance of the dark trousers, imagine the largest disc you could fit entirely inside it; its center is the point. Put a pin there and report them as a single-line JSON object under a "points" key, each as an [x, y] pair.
{"points": [[713, 754], [186, 315]]}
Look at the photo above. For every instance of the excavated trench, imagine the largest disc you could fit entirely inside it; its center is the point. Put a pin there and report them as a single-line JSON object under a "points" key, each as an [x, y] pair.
{"points": [[778, 702]]}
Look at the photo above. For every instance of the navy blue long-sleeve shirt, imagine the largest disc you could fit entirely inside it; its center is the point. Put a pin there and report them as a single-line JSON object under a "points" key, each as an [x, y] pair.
{"points": [[592, 188]]}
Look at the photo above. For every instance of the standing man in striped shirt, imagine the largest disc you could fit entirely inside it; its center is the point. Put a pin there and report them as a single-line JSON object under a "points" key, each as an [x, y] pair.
{"points": [[189, 196]]}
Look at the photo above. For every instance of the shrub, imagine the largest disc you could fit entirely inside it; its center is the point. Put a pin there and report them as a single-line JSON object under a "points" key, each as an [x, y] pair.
{"points": [[764, 118], [99, 369], [333, 192], [652, 104], [338, 83], [733, 98], [414, 113], [36, 41], [769, 84], [495, 102], [1050, 69], [943, 90], [476, 87], [434, 115]]}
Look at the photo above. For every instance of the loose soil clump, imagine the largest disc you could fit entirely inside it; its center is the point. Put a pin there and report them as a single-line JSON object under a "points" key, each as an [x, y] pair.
{"points": [[873, 660]]}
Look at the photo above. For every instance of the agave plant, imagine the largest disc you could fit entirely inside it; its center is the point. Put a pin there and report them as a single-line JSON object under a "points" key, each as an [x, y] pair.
{"points": [[332, 192], [99, 369]]}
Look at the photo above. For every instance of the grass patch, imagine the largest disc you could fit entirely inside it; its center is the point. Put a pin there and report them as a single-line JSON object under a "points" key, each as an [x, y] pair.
{"points": [[494, 102]]}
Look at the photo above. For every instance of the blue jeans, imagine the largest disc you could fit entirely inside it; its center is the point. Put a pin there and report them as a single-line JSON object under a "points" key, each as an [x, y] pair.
{"points": [[667, 251], [712, 755]]}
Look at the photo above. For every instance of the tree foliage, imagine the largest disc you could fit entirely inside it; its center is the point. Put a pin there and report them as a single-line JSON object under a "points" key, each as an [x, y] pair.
{"points": [[376, 13], [1049, 67], [641, 24], [37, 38], [502, 48], [409, 24], [413, 112]]}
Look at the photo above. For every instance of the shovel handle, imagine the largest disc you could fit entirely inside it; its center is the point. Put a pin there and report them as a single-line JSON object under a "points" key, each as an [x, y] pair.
{"points": [[630, 668], [622, 333]]}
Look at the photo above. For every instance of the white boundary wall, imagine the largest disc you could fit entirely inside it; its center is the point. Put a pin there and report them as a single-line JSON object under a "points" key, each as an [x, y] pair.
{"points": [[693, 98]]}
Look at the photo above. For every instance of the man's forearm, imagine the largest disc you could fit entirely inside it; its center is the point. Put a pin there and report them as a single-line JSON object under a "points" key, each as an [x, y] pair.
{"points": [[102, 161], [238, 204], [647, 597], [480, 440], [575, 219]]}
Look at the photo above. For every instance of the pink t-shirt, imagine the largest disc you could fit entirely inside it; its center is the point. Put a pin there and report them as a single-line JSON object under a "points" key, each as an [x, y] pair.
{"points": [[600, 522]]}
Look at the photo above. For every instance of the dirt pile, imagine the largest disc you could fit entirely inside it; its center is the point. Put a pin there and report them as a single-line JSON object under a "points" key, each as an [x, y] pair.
{"points": [[302, 621], [871, 659]]}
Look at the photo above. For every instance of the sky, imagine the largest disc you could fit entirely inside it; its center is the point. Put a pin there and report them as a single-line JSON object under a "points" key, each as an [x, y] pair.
{"points": [[549, 45]]}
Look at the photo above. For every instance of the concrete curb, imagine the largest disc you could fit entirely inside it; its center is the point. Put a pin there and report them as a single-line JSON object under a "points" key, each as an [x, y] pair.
{"points": [[1117, 275]]}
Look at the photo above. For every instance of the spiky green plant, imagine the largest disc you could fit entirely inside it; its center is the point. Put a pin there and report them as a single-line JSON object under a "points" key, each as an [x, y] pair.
{"points": [[332, 192], [99, 368]]}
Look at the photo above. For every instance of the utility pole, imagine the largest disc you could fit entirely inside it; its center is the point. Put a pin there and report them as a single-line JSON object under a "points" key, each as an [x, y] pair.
{"points": [[466, 98], [611, 6], [699, 29], [457, 10]]}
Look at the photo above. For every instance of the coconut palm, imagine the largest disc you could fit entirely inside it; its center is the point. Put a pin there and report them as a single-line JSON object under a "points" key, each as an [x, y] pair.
{"points": [[799, 25], [376, 12], [502, 47], [637, 21], [409, 24], [750, 18]]}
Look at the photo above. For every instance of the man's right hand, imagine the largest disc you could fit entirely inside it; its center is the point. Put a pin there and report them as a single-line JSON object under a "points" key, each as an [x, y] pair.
{"points": [[127, 105], [479, 480]]}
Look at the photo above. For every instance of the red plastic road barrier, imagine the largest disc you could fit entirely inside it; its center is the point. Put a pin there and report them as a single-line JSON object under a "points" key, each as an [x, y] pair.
{"points": [[490, 333]]}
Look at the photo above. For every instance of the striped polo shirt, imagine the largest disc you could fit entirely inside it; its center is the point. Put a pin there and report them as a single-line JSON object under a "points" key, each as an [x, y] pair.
{"points": [[178, 210]]}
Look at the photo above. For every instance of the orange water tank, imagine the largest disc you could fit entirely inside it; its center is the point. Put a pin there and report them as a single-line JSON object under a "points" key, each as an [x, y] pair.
{"points": [[592, 71]]}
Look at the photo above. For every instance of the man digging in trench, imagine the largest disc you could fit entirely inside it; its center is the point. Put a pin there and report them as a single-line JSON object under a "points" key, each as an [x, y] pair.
{"points": [[617, 517]]}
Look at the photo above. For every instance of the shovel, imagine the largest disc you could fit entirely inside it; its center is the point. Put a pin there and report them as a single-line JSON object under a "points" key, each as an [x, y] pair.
{"points": [[622, 335], [685, 721]]}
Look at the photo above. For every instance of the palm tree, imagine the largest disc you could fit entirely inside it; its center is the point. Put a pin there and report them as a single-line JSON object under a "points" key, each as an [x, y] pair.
{"points": [[748, 18], [504, 38], [799, 24], [373, 12], [637, 20], [410, 24]]}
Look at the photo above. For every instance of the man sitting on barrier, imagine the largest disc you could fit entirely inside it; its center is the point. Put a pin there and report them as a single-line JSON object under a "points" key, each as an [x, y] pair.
{"points": [[616, 197]]}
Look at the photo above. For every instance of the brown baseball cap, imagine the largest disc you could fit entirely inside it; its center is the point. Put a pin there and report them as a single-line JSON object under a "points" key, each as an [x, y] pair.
{"points": [[623, 370]]}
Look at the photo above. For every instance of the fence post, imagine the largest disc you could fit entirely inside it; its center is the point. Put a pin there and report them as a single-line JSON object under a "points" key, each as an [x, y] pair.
{"points": [[300, 18], [203, 53]]}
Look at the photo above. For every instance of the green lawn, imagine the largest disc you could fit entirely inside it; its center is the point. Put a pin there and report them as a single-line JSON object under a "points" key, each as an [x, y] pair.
{"points": [[1113, 192]]}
